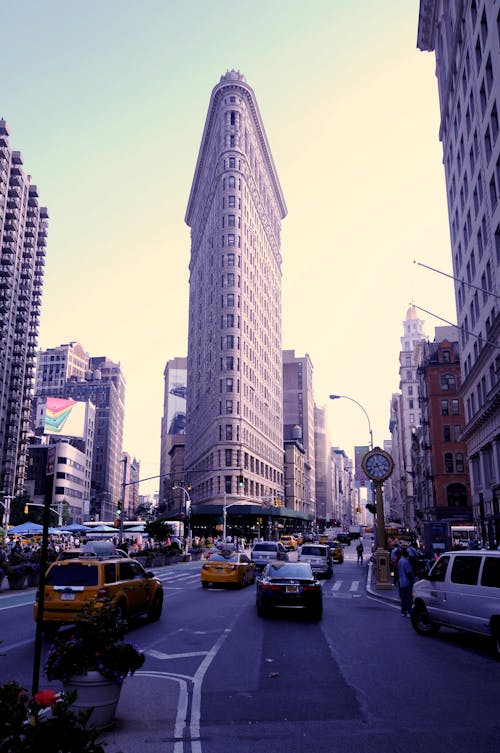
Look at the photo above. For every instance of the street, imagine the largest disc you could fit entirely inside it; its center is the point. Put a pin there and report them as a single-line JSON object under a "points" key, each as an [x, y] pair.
{"points": [[217, 678]]}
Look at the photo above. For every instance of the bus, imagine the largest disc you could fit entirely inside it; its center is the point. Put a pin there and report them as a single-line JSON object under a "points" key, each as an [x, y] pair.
{"points": [[463, 537]]}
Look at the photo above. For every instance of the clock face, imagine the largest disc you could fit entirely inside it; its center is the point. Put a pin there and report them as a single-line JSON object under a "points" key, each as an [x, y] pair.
{"points": [[378, 465]]}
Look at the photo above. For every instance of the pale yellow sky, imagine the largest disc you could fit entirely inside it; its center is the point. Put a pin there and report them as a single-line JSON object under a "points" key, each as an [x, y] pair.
{"points": [[108, 110]]}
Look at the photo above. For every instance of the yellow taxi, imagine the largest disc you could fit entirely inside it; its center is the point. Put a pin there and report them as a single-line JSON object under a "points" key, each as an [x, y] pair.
{"points": [[228, 568], [337, 551], [289, 542], [97, 578]]}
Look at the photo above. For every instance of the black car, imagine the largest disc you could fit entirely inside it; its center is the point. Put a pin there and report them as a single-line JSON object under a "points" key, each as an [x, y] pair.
{"points": [[289, 585], [344, 538]]}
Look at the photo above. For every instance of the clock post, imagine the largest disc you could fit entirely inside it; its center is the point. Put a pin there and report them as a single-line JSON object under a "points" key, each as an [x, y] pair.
{"points": [[378, 466]]}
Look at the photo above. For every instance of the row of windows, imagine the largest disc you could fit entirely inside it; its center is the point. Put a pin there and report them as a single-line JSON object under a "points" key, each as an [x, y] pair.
{"points": [[450, 407], [452, 433], [454, 462]]}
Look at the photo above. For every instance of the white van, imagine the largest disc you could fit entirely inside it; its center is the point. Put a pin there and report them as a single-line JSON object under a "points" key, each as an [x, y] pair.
{"points": [[461, 591]]}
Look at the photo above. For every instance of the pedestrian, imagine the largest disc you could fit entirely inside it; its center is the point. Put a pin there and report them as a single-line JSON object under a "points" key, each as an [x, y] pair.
{"points": [[360, 550], [406, 579]]}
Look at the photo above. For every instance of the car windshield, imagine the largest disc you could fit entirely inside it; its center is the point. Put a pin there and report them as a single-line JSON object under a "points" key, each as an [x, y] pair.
{"points": [[293, 570], [265, 546], [73, 574], [224, 557], [316, 551]]}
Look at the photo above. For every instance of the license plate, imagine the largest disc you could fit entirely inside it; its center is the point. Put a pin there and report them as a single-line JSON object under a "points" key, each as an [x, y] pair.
{"points": [[292, 589], [67, 597]]}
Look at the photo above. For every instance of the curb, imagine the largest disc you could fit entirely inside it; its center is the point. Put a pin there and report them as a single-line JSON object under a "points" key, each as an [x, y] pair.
{"points": [[391, 596]]}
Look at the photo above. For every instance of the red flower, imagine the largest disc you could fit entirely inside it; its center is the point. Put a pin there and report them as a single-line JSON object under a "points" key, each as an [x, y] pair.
{"points": [[46, 698]]}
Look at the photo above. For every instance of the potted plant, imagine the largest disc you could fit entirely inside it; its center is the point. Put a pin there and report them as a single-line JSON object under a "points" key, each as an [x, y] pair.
{"points": [[45, 722], [93, 658]]}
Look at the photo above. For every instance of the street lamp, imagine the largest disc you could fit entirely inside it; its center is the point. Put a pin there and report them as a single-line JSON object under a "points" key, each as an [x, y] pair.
{"points": [[346, 397], [187, 508]]}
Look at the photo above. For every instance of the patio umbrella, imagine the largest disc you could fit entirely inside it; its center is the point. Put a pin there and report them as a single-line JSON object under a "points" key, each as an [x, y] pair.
{"points": [[76, 528], [135, 529], [101, 528], [26, 528]]}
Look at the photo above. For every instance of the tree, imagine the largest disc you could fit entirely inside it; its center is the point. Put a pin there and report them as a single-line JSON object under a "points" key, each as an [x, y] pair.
{"points": [[158, 529]]}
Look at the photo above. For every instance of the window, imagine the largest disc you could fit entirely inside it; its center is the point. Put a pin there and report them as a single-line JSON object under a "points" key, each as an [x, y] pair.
{"points": [[229, 432], [233, 117], [231, 181], [231, 220], [446, 434], [410, 404], [448, 382], [229, 406], [459, 462], [446, 356], [491, 572], [444, 408], [448, 462], [229, 384], [228, 458], [465, 570], [227, 484], [230, 239], [455, 408], [231, 201], [229, 363], [232, 163]]}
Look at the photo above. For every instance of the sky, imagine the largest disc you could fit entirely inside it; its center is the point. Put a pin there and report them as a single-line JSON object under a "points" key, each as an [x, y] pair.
{"points": [[107, 99]]}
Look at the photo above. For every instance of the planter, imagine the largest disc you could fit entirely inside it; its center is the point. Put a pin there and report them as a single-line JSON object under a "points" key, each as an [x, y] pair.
{"points": [[16, 582], [96, 692], [33, 579]]}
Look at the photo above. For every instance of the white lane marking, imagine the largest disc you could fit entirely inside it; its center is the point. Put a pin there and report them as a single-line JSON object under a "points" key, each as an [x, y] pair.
{"points": [[160, 655], [354, 585], [182, 707], [337, 585]]}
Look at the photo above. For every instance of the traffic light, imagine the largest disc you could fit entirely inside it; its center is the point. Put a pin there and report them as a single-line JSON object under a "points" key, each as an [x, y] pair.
{"points": [[119, 508], [241, 482]]}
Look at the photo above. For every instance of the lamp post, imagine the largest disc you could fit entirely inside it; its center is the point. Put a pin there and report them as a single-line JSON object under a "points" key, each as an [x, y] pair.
{"points": [[346, 397], [187, 508]]}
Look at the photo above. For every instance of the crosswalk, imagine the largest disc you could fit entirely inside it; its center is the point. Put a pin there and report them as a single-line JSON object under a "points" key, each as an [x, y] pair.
{"points": [[339, 588]]}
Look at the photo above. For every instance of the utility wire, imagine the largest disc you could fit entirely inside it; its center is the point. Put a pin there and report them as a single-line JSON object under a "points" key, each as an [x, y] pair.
{"points": [[457, 279], [460, 329]]}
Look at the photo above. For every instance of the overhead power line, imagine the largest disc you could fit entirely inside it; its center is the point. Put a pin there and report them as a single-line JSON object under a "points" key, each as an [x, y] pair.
{"points": [[457, 279]]}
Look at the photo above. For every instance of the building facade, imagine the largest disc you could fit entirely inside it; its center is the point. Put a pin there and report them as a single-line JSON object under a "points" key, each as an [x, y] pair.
{"points": [[173, 432], [441, 477], [466, 42], [298, 410], [23, 238], [406, 415], [102, 383], [234, 427]]}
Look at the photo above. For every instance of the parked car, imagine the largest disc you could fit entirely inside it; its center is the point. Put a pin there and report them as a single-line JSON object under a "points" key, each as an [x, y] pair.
{"points": [[289, 542], [319, 557], [229, 568], [289, 585], [461, 591], [337, 551], [266, 551], [90, 578]]}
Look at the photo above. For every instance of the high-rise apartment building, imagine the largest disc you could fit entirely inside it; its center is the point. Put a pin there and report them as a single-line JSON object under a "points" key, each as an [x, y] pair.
{"points": [[62, 372], [23, 237], [465, 38], [234, 388]]}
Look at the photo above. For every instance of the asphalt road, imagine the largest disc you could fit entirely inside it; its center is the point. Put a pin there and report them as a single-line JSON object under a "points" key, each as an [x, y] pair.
{"points": [[219, 679]]}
